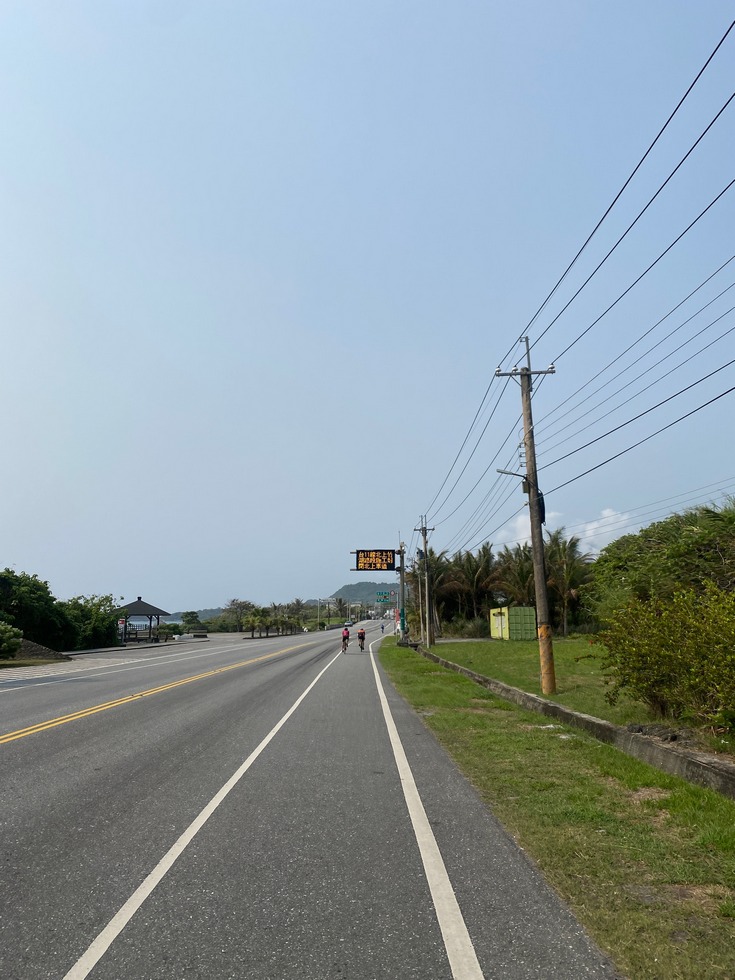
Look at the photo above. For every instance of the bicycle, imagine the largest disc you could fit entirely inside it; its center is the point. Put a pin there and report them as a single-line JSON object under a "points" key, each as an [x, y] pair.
{"points": [[361, 640], [345, 641]]}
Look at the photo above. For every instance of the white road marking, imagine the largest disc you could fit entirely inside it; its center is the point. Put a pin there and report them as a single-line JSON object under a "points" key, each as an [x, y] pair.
{"points": [[66, 671], [460, 951], [115, 926], [63, 668]]}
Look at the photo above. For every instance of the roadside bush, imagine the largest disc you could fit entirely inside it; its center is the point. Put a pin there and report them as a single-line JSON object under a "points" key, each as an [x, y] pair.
{"points": [[95, 619], [677, 656], [169, 629], [26, 602], [474, 629], [10, 639]]}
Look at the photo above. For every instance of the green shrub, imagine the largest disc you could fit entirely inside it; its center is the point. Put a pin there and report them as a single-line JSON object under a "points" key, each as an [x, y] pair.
{"points": [[10, 640], [468, 628], [677, 656]]}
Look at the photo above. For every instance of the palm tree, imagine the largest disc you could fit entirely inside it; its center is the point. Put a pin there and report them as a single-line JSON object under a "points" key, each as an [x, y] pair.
{"points": [[513, 574], [469, 577], [296, 609], [567, 570], [440, 589]]}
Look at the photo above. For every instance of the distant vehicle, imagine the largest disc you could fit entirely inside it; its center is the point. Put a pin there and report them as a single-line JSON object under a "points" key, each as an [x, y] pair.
{"points": [[349, 623]]}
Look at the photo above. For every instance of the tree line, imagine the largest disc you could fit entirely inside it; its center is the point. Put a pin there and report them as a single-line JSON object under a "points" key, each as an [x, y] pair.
{"points": [[243, 616], [29, 610], [464, 587]]}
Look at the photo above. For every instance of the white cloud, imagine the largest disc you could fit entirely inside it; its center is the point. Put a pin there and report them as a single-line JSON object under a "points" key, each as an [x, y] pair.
{"points": [[518, 531], [595, 534]]}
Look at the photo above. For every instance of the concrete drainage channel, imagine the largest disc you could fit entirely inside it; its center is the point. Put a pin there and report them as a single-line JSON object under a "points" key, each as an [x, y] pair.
{"points": [[700, 768]]}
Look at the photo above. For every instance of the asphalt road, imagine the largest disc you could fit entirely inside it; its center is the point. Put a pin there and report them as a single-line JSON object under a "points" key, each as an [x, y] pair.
{"points": [[264, 809]]}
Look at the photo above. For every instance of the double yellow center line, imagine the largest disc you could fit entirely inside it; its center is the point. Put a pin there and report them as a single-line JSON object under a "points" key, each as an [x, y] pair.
{"points": [[43, 726]]}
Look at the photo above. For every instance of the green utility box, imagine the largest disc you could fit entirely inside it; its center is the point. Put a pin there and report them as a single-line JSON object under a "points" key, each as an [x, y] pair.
{"points": [[513, 623]]}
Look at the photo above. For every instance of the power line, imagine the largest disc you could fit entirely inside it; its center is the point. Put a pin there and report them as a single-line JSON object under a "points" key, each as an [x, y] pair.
{"points": [[630, 178], [640, 339], [635, 221], [639, 416], [574, 260], [491, 509], [646, 271], [464, 442], [625, 522], [589, 238], [469, 460], [495, 529], [652, 384], [640, 442], [628, 519]]}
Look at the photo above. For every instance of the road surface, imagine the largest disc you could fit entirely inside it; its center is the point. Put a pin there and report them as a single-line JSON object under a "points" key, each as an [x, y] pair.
{"points": [[253, 808]]}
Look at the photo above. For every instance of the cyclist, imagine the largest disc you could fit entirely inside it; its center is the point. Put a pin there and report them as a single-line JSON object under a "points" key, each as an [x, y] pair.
{"points": [[345, 639], [361, 637]]}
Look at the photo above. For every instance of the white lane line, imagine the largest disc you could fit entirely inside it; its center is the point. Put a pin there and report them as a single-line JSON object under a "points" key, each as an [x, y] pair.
{"points": [[460, 951], [23, 678], [71, 673], [87, 961]]}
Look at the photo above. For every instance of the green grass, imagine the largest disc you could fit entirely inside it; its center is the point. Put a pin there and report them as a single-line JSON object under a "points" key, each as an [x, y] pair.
{"points": [[579, 679], [645, 860]]}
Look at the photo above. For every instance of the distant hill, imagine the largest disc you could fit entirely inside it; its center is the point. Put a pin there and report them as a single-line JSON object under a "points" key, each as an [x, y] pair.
{"points": [[204, 614], [354, 592], [364, 591]]}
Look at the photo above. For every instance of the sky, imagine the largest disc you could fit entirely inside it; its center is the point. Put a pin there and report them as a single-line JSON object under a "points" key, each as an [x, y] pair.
{"points": [[260, 262]]}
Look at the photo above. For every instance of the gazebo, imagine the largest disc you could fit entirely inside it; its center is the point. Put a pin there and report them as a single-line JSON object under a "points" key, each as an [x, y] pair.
{"points": [[143, 609]]}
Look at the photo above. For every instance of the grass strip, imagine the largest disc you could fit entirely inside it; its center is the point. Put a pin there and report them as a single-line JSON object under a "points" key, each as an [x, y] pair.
{"points": [[645, 860], [581, 683]]}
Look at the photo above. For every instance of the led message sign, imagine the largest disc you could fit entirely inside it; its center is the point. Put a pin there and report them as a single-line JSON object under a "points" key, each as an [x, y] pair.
{"points": [[376, 560]]}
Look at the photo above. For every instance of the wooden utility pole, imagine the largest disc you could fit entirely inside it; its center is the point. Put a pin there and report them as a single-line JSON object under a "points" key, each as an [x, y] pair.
{"points": [[430, 638], [538, 518], [402, 595], [421, 602]]}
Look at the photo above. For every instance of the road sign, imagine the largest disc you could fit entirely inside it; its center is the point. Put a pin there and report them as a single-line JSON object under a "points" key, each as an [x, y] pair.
{"points": [[382, 593], [375, 560], [384, 600]]}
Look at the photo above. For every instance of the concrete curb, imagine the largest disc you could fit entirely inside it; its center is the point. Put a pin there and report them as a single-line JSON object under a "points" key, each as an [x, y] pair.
{"points": [[709, 771]]}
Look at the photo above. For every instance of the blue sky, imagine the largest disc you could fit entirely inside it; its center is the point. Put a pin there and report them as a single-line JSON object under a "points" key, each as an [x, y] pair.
{"points": [[260, 262]]}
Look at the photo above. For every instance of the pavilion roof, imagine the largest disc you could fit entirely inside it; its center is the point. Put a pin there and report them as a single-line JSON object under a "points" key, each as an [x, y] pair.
{"points": [[140, 608]]}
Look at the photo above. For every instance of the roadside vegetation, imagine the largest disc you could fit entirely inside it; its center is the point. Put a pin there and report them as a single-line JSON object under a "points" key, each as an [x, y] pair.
{"points": [[584, 683], [28, 606], [645, 860], [659, 605], [30, 612]]}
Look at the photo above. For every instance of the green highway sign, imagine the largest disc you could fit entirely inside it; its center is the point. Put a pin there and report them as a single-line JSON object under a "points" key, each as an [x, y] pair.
{"points": [[387, 599], [382, 593]]}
